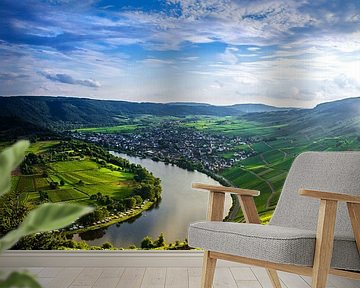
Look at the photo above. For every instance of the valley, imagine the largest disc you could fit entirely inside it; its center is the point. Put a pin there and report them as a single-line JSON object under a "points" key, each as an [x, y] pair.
{"points": [[69, 158], [234, 150], [73, 171]]}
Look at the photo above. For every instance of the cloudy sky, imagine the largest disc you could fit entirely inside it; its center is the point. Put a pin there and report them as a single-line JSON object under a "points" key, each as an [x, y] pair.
{"points": [[284, 53]]}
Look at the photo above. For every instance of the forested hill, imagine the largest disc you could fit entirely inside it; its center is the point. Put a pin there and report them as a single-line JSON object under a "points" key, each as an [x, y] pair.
{"points": [[65, 112], [58, 113], [336, 118]]}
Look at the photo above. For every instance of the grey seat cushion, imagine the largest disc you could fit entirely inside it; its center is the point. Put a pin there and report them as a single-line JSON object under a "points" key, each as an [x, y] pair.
{"points": [[270, 243]]}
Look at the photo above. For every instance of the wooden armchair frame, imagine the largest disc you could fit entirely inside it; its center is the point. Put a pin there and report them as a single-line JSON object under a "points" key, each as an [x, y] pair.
{"points": [[324, 235]]}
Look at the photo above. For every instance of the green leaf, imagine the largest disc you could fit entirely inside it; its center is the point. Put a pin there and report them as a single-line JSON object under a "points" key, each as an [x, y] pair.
{"points": [[46, 217], [20, 280], [53, 216], [10, 239], [10, 158]]}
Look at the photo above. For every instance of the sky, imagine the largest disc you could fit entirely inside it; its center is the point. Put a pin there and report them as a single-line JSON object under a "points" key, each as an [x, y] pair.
{"points": [[277, 52]]}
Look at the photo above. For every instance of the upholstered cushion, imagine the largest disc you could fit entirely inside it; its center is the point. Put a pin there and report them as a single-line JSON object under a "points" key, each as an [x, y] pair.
{"points": [[270, 243], [325, 171]]}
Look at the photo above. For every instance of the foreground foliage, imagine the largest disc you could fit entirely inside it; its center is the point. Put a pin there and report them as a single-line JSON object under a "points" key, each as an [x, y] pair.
{"points": [[44, 218]]}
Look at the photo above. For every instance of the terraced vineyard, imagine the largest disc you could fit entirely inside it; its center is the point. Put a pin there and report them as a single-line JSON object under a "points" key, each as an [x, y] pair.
{"points": [[79, 177], [275, 142], [267, 170]]}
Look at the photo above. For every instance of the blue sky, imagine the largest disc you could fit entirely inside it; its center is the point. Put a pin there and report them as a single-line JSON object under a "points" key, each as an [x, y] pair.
{"points": [[284, 53]]}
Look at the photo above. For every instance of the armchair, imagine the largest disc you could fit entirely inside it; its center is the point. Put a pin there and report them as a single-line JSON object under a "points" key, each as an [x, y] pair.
{"points": [[312, 232]]}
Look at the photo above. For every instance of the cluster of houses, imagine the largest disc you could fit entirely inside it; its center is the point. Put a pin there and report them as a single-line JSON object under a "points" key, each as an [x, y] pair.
{"points": [[170, 142]]}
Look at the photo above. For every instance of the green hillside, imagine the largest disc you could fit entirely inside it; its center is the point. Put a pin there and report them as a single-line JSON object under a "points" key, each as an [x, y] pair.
{"points": [[75, 171], [62, 113], [51, 172]]}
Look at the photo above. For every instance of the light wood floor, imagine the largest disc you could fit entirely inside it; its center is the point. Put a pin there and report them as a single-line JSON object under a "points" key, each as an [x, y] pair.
{"points": [[166, 277], [142, 269]]}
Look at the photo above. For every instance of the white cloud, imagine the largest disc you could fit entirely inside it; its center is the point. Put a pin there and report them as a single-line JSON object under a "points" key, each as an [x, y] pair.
{"points": [[254, 48], [156, 62], [229, 55]]}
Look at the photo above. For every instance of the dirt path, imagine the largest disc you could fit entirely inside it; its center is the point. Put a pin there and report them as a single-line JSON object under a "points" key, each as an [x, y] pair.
{"points": [[263, 159], [267, 144], [285, 154], [266, 181]]}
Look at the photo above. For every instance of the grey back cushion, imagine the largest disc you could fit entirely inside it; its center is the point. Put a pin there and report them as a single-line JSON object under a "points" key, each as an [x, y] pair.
{"points": [[326, 171]]}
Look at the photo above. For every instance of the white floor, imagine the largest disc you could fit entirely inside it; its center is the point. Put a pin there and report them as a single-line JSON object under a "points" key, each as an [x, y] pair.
{"points": [[144, 270]]}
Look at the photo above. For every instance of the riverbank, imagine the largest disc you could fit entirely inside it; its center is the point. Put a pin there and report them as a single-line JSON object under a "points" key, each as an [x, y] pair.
{"points": [[194, 167], [114, 219]]}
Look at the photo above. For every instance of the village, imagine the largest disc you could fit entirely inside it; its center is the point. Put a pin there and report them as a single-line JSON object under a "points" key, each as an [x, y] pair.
{"points": [[171, 143]]}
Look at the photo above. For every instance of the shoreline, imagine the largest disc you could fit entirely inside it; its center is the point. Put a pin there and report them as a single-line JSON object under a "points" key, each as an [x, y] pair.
{"points": [[136, 212], [148, 205], [223, 181]]}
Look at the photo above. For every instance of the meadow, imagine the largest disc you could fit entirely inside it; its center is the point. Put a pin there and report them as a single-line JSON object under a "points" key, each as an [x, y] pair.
{"points": [[267, 170], [128, 124], [77, 179], [111, 129]]}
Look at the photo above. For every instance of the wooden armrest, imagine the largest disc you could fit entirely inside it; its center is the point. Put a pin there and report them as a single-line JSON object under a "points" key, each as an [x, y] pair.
{"points": [[223, 189], [330, 196], [216, 203]]}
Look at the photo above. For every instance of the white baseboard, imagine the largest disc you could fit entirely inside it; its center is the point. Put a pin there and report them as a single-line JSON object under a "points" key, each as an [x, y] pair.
{"points": [[61, 258]]}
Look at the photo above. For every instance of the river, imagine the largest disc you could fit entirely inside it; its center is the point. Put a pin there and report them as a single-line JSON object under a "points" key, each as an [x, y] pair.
{"points": [[180, 205]]}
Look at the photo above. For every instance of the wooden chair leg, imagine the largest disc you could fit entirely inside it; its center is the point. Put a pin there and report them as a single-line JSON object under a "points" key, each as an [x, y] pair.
{"points": [[324, 243], [274, 278], [208, 271], [354, 212]]}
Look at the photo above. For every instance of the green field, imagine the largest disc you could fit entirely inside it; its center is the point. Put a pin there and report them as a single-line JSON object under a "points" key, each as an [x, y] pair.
{"points": [[266, 171], [65, 195], [41, 146], [81, 177], [111, 129], [232, 126], [129, 125]]}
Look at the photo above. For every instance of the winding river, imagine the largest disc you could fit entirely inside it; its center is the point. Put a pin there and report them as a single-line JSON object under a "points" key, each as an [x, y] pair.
{"points": [[180, 205]]}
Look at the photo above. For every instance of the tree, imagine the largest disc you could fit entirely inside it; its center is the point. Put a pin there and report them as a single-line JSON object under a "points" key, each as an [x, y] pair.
{"points": [[130, 202], [13, 210], [146, 191], [141, 174], [160, 242], [98, 215], [54, 185], [107, 245], [44, 196], [138, 199], [42, 241], [147, 243]]}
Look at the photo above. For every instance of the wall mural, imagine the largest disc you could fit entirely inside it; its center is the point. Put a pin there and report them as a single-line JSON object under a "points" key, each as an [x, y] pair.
{"points": [[126, 103]]}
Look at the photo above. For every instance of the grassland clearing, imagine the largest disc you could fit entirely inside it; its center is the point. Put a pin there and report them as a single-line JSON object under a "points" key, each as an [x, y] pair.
{"points": [[80, 177], [41, 146], [111, 129]]}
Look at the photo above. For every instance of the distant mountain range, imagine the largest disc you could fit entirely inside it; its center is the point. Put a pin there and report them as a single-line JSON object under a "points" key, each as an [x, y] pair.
{"points": [[52, 113]]}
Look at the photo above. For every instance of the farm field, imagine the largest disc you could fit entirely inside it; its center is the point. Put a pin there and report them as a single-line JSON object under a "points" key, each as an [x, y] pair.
{"points": [[79, 178], [111, 129], [230, 125], [266, 171], [41, 146]]}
